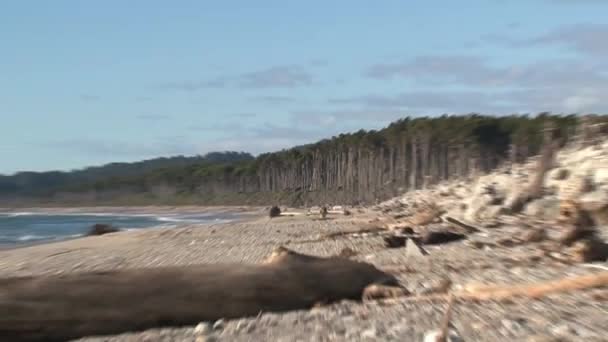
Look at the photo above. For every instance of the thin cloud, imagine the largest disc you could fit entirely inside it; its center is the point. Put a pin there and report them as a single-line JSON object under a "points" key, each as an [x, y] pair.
{"points": [[475, 71], [153, 117], [587, 39], [89, 97], [274, 99], [276, 77], [286, 76]]}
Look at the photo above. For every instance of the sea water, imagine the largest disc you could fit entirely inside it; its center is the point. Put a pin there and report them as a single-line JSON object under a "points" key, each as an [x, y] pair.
{"points": [[27, 228]]}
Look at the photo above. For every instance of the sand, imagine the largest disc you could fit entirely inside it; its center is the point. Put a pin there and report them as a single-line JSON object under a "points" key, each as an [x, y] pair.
{"points": [[581, 315]]}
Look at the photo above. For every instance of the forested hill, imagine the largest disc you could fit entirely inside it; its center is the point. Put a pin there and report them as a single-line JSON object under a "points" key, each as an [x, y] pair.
{"points": [[364, 166], [46, 183]]}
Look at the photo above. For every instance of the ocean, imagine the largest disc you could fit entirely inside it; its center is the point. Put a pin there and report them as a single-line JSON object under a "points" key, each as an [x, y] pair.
{"points": [[26, 228]]}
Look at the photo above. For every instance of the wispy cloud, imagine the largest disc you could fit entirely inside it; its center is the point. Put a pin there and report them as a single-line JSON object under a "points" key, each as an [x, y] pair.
{"points": [[89, 97], [270, 99], [478, 72], [153, 117], [284, 76], [587, 39], [276, 77]]}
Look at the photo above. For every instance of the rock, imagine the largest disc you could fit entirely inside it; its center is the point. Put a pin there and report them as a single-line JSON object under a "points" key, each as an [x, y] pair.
{"points": [[596, 204], [534, 235], [475, 244], [219, 324], [275, 211], [202, 328], [394, 241], [559, 174], [206, 338], [543, 208], [505, 242], [514, 326], [413, 250], [576, 185], [347, 253], [323, 212], [600, 175], [543, 338], [563, 330], [370, 333], [440, 237], [594, 201], [404, 231], [433, 335], [101, 229], [588, 250]]}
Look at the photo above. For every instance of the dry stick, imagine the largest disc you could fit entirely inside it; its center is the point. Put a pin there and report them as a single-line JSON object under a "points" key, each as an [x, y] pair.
{"points": [[535, 189], [445, 324], [466, 226], [537, 290]]}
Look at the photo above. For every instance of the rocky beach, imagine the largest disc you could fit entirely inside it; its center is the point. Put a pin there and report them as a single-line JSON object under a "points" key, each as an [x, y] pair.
{"points": [[494, 246]]}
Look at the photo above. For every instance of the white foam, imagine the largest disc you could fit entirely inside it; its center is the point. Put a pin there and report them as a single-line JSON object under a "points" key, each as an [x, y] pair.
{"points": [[33, 237], [25, 213]]}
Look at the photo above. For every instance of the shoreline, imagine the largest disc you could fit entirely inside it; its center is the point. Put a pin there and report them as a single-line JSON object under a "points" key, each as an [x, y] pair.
{"points": [[151, 209], [252, 239], [242, 213]]}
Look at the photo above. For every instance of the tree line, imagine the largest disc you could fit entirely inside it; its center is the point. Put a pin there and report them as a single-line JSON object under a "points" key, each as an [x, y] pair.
{"points": [[359, 167]]}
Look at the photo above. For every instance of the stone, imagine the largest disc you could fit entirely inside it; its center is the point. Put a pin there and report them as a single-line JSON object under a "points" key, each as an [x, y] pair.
{"points": [[542, 338], [534, 235], [559, 174], [588, 250], [594, 201], [543, 208], [206, 338], [202, 328], [505, 242], [452, 336], [275, 211], [413, 250], [514, 326], [370, 333], [219, 324], [475, 244], [393, 241], [564, 330], [101, 229], [440, 237]]}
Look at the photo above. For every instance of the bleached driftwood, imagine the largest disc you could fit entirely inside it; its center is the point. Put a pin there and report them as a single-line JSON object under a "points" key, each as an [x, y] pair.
{"points": [[62, 307]]}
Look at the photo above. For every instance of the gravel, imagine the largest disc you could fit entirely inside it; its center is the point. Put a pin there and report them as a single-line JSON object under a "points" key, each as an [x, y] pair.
{"points": [[572, 316]]}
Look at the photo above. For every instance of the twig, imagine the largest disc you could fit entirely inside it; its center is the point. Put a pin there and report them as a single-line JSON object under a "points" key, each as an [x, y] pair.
{"points": [[445, 324], [65, 252], [468, 227]]}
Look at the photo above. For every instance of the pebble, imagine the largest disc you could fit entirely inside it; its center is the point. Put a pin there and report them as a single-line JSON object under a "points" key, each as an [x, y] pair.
{"points": [[371, 333], [202, 328], [206, 338], [542, 338], [514, 326], [219, 324], [563, 330], [431, 336]]}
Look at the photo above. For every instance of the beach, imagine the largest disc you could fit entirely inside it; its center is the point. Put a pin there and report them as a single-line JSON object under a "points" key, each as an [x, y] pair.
{"points": [[577, 314]]}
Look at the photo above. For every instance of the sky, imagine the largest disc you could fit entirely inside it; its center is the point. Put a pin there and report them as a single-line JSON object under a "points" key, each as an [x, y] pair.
{"points": [[90, 82]]}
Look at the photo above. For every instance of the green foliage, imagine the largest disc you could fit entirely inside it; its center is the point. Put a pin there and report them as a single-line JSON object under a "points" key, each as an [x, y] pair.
{"points": [[186, 179]]}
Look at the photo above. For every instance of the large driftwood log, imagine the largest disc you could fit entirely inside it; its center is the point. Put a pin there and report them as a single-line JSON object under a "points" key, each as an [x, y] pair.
{"points": [[61, 307]]}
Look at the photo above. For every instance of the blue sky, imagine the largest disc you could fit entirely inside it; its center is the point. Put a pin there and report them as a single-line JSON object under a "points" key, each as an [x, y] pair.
{"points": [[86, 83]]}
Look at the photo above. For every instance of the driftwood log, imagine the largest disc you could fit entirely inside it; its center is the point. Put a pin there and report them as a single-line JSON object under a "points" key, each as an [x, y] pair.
{"points": [[62, 307]]}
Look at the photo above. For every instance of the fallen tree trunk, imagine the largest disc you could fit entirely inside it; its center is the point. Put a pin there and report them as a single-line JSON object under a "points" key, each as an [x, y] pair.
{"points": [[61, 307]]}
